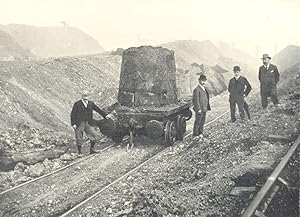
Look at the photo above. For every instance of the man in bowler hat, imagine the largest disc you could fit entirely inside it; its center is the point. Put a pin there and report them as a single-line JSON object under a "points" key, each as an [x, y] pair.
{"points": [[82, 121], [201, 106], [238, 89], [268, 76]]}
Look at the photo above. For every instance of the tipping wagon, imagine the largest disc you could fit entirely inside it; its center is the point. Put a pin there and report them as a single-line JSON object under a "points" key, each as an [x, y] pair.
{"points": [[147, 99]]}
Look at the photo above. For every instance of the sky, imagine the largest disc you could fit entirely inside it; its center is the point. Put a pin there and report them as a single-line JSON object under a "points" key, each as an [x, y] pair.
{"points": [[255, 26]]}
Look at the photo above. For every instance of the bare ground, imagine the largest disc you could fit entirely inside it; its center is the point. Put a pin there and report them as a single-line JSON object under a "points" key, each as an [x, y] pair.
{"points": [[196, 178], [51, 196], [193, 179]]}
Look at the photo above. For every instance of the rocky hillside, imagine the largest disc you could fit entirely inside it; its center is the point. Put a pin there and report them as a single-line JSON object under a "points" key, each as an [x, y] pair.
{"points": [[203, 57], [53, 41], [10, 50], [209, 53], [42, 93], [287, 57], [248, 63]]}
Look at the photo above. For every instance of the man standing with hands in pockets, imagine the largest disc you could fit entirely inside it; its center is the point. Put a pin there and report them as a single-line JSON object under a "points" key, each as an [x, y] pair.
{"points": [[268, 76], [201, 106]]}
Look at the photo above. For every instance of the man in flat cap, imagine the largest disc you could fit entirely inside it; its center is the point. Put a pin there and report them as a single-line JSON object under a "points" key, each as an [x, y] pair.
{"points": [[201, 106], [82, 119], [238, 88], [268, 76]]}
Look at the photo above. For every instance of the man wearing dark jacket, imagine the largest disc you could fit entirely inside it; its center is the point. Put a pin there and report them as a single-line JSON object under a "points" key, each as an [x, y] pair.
{"points": [[268, 76], [201, 106], [81, 121], [238, 89]]}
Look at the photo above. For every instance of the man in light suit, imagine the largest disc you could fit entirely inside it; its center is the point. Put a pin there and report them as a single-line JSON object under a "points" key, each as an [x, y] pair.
{"points": [[268, 76], [201, 106], [82, 119]]}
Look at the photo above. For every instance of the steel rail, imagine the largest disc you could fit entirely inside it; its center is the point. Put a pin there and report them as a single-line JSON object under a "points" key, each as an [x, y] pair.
{"points": [[253, 206], [55, 171], [80, 160]]}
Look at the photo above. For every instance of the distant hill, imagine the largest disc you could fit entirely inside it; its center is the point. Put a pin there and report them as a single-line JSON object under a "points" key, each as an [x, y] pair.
{"points": [[204, 57], [230, 51], [287, 57], [10, 50], [53, 41], [195, 51], [289, 77]]}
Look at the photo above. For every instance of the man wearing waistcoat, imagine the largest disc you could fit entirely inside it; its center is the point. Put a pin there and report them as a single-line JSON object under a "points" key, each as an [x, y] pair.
{"points": [[238, 89], [81, 121], [268, 76], [201, 106]]}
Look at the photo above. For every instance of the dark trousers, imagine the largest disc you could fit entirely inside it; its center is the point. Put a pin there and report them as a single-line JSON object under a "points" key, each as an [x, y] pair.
{"points": [[246, 108], [242, 106], [265, 93], [199, 123]]}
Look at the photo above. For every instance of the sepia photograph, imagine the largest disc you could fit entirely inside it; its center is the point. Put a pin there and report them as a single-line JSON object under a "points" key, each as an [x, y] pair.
{"points": [[149, 108]]}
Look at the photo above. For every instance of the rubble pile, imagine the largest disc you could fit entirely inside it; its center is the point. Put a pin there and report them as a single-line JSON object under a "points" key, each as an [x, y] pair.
{"points": [[30, 146], [216, 83], [24, 138], [27, 153], [23, 172]]}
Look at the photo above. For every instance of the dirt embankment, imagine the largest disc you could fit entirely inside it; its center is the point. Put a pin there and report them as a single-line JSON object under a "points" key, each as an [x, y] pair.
{"points": [[41, 94]]}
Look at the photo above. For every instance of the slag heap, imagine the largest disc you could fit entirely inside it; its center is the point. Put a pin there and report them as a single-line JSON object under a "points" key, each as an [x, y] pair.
{"points": [[147, 77]]}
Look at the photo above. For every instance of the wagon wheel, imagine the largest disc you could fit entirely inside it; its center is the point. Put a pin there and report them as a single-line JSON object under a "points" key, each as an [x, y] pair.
{"points": [[180, 127], [188, 114], [117, 139], [170, 133]]}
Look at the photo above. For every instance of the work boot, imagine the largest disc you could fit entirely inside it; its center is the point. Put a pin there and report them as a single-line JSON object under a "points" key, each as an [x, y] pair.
{"points": [[249, 117], [92, 149], [248, 114], [201, 136], [79, 151]]}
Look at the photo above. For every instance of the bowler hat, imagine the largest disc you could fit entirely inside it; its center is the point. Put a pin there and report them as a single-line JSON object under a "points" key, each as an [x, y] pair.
{"points": [[85, 93], [236, 68], [202, 78], [266, 56]]}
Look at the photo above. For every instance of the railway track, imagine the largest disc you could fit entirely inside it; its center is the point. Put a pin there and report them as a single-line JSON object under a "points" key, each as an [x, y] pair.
{"points": [[53, 194], [55, 171], [12, 211], [74, 163], [261, 201], [72, 210]]}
